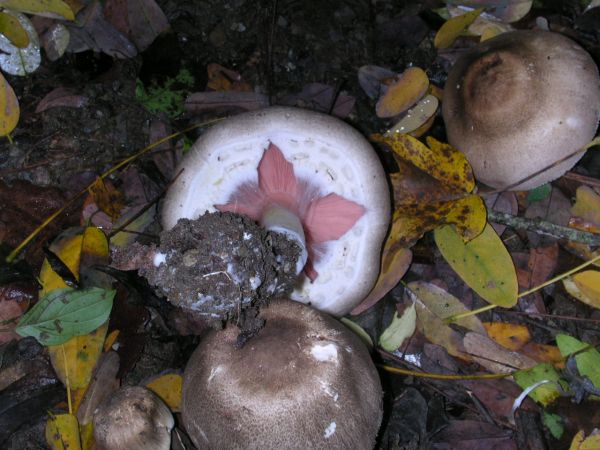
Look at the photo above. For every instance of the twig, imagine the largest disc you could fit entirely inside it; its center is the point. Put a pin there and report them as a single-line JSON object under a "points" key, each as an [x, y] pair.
{"points": [[541, 226]]}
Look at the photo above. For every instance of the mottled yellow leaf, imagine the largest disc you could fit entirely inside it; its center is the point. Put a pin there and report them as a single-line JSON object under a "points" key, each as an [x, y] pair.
{"points": [[439, 160], [56, 9], [585, 287], [62, 432], [13, 30], [453, 28], [510, 335], [9, 108], [168, 388], [444, 305], [483, 263], [407, 90]]}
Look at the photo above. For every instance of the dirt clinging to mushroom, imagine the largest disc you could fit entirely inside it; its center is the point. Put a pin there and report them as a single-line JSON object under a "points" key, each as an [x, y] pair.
{"points": [[220, 264]]}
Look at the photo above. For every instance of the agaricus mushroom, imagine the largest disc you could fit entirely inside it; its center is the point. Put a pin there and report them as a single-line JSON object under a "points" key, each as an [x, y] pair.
{"points": [[518, 103], [133, 418], [305, 174], [304, 381]]}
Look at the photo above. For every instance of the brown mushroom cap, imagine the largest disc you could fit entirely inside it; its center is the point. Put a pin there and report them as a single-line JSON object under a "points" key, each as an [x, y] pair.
{"points": [[519, 102], [305, 381], [133, 418]]}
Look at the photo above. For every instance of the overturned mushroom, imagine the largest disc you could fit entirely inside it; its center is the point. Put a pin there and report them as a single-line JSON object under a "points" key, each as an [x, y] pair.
{"points": [[519, 102], [301, 173], [304, 381], [133, 418]]}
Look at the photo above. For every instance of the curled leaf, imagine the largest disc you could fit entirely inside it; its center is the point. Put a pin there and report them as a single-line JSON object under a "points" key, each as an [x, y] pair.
{"points": [[407, 90], [453, 28]]}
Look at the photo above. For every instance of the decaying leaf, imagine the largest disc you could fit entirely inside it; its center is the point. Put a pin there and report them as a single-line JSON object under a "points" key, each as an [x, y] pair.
{"points": [[9, 108], [454, 27], [403, 93], [585, 286], [107, 197], [494, 357], [62, 432], [483, 263], [510, 335]]}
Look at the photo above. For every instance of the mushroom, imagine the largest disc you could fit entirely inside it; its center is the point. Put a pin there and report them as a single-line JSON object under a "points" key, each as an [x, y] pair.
{"points": [[305, 381], [518, 103], [133, 418], [305, 174]]}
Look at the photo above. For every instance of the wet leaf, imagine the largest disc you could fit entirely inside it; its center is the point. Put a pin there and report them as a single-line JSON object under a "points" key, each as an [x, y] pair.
{"points": [[13, 30], [9, 108], [510, 335], [55, 9], [483, 263], [395, 261], [65, 313], [402, 327], [588, 361], [417, 116], [62, 432], [545, 393], [403, 93], [20, 61], [454, 27], [585, 287], [581, 442], [168, 388]]}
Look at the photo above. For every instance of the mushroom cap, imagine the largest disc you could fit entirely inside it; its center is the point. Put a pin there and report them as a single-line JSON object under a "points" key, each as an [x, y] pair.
{"points": [[519, 102], [325, 150], [305, 381], [133, 418]]}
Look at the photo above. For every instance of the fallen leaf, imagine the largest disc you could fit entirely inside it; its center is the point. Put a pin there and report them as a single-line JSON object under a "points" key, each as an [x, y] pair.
{"points": [[493, 356], [146, 21], [587, 205], [56, 9], [62, 432], [9, 108], [473, 435], [168, 388], [417, 117], [588, 361], [402, 327], [103, 383], [408, 88], [581, 442], [107, 197], [512, 336], [545, 393], [585, 287], [506, 10], [20, 61], [483, 263], [61, 97], [13, 30], [454, 27], [223, 79], [371, 79], [55, 41]]}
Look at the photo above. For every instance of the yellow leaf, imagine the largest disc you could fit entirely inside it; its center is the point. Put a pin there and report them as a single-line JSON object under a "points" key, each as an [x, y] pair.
{"points": [[580, 442], [585, 286], [86, 435], [56, 9], [168, 388], [9, 108], [587, 205], [407, 90], [444, 305], [67, 247], [12, 29], [483, 263], [510, 335], [441, 161], [402, 327], [107, 198], [417, 117], [452, 28], [110, 340], [62, 432]]}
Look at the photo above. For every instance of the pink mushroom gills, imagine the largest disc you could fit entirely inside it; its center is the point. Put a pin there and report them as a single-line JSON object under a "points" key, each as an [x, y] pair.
{"points": [[303, 382], [302, 173], [519, 102]]}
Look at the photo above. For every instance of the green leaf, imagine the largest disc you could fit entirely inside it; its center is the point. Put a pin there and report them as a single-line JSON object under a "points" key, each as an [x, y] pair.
{"points": [[539, 193], [545, 393], [483, 263], [65, 313], [401, 328], [554, 423], [588, 362]]}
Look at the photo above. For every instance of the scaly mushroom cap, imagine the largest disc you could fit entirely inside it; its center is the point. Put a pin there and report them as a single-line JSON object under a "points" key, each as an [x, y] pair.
{"points": [[305, 381], [133, 418], [519, 102], [318, 168]]}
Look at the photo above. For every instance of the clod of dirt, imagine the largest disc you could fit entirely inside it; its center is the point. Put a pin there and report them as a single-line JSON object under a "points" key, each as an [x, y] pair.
{"points": [[219, 264]]}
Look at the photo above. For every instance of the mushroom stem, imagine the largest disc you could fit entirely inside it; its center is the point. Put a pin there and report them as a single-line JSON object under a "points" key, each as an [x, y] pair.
{"points": [[282, 220]]}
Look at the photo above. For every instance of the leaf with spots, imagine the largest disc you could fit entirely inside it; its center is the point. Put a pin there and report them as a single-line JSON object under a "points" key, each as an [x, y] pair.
{"points": [[62, 432], [9, 108], [483, 263]]}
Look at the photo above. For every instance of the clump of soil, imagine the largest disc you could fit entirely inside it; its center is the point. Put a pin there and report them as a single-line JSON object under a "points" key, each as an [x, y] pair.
{"points": [[218, 265]]}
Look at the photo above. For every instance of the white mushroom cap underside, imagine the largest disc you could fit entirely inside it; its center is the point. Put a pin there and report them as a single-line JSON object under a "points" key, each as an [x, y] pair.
{"points": [[325, 150]]}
